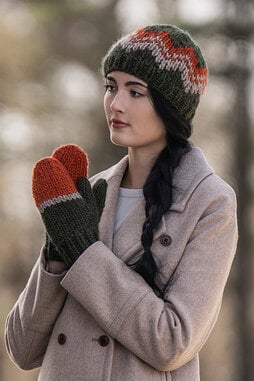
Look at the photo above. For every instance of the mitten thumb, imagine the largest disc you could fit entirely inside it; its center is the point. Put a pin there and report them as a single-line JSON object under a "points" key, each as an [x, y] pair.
{"points": [[100, 191], [85, 190]]}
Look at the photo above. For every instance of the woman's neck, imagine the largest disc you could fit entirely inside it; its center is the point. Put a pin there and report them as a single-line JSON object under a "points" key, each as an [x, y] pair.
{"points": [[140, 165]]}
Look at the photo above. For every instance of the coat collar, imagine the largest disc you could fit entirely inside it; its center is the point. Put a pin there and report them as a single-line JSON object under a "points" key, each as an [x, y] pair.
{"points": [[191, 171]]}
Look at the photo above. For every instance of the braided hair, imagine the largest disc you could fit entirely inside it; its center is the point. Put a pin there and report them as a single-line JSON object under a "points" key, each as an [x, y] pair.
{"points": [[158, 188]]}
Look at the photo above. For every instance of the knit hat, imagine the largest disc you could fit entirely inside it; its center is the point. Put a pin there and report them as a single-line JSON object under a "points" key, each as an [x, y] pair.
{"points": [[167, 59]]}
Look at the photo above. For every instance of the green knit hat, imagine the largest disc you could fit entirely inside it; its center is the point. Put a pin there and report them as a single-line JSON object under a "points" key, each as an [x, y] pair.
{"points": [[167, 59]]}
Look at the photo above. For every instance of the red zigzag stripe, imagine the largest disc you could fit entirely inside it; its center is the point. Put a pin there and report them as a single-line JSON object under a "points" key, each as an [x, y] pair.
{"points": [[170, 58]]}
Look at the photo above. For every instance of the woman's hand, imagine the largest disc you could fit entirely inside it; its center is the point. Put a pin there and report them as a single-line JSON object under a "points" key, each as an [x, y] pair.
{"points": [[75, 160], [70, 208]]}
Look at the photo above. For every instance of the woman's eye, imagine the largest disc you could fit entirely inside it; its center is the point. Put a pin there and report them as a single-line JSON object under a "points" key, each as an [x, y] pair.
{"points": [[110, 88], [136, 94]]}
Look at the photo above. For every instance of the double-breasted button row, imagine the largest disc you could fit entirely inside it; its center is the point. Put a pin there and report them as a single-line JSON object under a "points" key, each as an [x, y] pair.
{"points": [[165, 240], [103, 339]]}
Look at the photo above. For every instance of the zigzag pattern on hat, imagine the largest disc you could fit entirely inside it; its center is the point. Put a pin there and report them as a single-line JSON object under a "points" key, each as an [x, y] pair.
{"points": [[169, 57]]}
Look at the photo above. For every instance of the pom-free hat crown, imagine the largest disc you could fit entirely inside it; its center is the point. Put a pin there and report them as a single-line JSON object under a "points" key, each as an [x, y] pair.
{"points": [[167, 59]]}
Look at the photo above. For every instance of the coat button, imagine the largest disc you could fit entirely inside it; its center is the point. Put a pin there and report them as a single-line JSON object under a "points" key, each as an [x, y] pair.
{"points": [[103, 340], [61, 338], [165, 240]]}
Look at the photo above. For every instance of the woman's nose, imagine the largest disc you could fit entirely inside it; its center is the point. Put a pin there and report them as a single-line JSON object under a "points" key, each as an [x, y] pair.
{"points": [[118, 103]]}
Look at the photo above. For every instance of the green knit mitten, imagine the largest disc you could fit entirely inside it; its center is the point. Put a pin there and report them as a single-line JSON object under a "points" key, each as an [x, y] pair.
{"points": [[75, 160], [71, 221]]}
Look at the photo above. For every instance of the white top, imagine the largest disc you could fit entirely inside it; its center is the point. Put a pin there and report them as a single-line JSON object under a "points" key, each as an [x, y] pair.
{"points": [[127, 199]]}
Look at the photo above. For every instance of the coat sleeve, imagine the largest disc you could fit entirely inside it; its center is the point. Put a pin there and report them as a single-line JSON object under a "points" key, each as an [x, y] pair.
{"points": [[31, 320], [164, 333]]}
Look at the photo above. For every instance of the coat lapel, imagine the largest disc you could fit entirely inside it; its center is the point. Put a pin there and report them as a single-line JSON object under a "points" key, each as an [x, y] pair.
{"points": [[192, 170], [127, 239], [113, 176], [126, 243]]}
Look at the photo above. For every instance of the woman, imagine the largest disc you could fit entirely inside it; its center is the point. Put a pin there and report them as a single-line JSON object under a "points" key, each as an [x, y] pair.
{"points": [[135, 296]]}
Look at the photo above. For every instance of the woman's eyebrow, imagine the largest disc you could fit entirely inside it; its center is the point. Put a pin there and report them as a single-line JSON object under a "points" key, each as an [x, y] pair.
{"points": [[128, 83], [131, 83], [109, 78]]}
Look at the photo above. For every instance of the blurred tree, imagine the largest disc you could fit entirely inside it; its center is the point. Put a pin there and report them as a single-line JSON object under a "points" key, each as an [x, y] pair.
{"points": [[77, 32], [243, 21], [236, 28]]}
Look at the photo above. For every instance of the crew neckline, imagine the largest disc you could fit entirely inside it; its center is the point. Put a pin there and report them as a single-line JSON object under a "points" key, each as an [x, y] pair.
{"points": [[132, 193]]}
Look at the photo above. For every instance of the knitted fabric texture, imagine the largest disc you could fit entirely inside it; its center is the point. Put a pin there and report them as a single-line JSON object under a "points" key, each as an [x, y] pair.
{"points": [[71, 221], [75, 160], [167, 59]]}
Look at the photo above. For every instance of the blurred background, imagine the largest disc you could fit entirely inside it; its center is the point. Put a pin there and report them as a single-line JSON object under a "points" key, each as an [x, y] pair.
{"points": [[51, 93]]}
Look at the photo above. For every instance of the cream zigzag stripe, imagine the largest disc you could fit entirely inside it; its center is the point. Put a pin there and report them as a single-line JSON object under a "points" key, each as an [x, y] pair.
{"points": [[58, 200], [181, 62]]}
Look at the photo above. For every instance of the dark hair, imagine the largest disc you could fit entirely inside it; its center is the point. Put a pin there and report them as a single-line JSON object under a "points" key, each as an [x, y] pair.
{"points": [[158, 188]]}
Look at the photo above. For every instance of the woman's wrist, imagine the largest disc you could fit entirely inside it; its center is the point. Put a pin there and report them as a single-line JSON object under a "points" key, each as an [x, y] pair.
{"points": [[55, 267]]}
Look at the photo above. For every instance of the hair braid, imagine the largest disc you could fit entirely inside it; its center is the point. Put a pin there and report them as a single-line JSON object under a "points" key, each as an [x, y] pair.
{"points": [[158, 188]]}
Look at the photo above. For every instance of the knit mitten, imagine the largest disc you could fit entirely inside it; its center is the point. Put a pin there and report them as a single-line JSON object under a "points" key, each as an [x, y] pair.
{"points": [[71, 221], [50, 251], [75, 160]]}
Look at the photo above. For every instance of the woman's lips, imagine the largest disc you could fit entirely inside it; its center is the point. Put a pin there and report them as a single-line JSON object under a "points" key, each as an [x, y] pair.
{"points": [[116, 123]]}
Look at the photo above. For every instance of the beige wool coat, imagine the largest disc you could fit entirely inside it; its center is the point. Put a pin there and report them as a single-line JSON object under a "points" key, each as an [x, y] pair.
{"points": [[100, 321]]}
